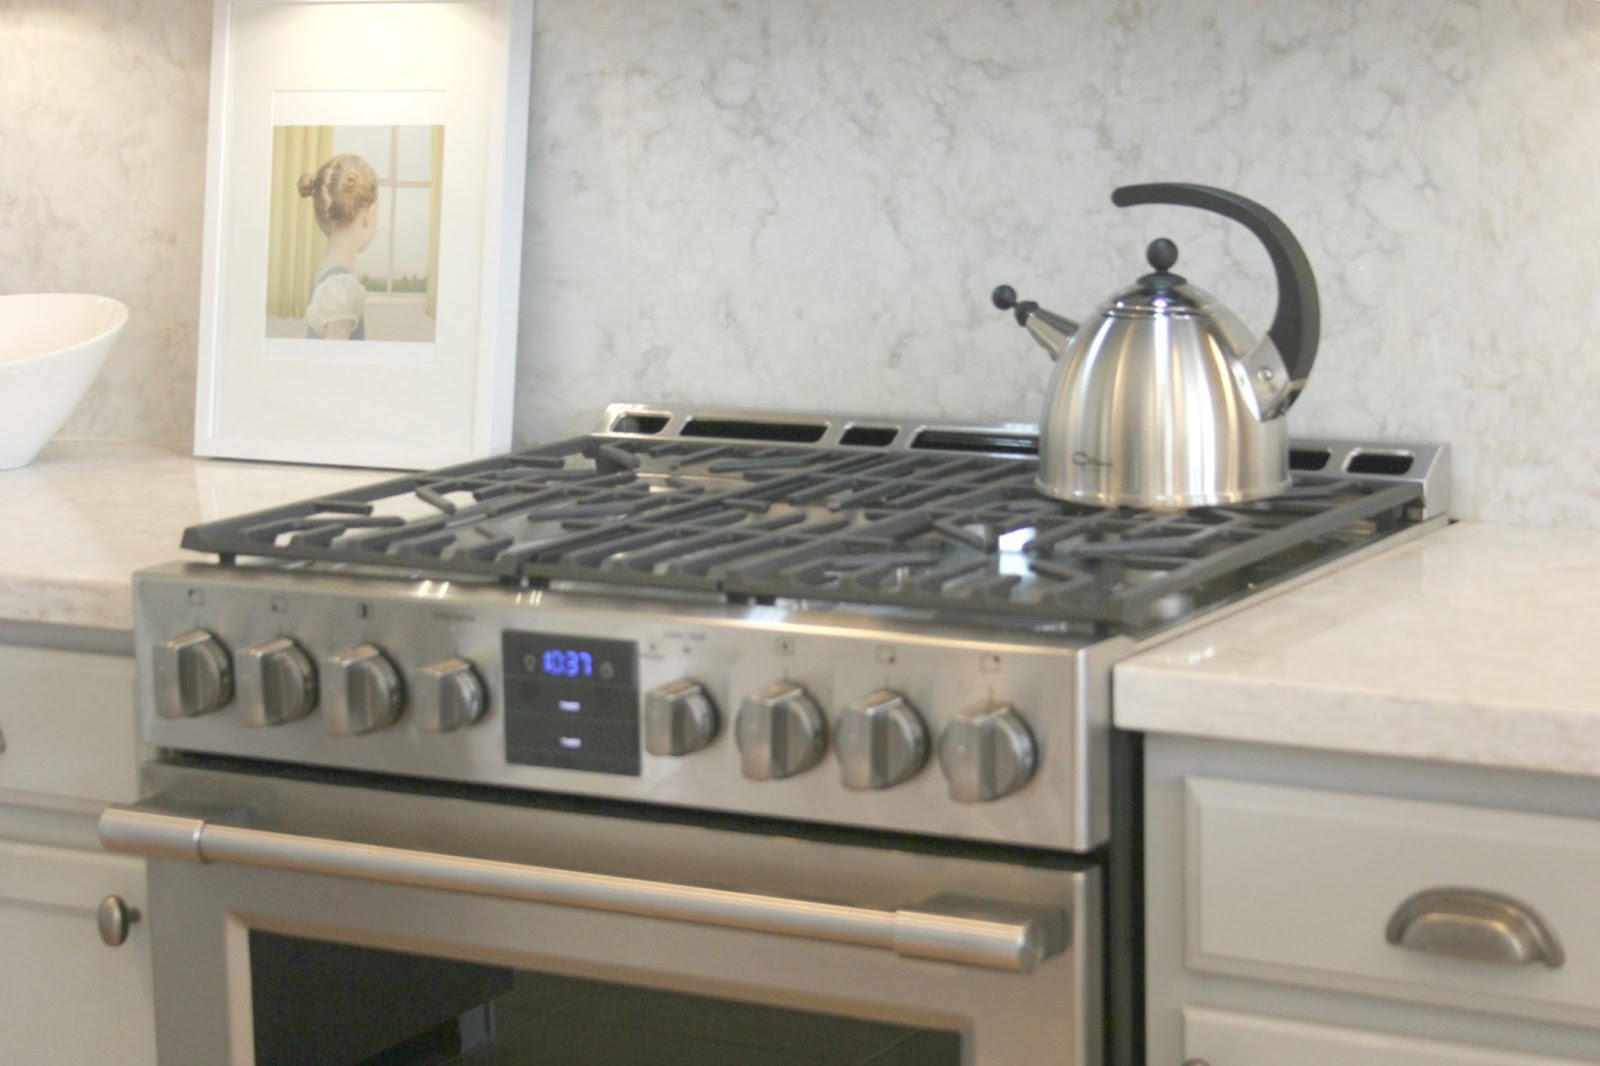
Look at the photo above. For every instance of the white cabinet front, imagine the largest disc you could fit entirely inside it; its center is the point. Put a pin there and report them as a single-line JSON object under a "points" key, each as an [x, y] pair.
{"points": [[1461, 906], [68, 723], [66, 997], [1224, 1038]]}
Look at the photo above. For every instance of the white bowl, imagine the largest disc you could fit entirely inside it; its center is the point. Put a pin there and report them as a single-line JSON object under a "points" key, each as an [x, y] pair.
{"points": [[52, 345]]}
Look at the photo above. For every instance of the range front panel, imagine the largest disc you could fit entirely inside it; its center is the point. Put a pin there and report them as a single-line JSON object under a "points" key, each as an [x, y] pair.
{"points": [[841, 720]]}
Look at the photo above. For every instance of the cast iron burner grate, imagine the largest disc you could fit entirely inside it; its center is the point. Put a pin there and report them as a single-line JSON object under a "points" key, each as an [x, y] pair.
{"points": [[947, 531]]}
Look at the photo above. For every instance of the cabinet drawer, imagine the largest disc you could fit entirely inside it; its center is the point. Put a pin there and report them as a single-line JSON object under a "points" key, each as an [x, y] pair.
{"points": [[1300, 885], [1223, 1038], [68, 723]]}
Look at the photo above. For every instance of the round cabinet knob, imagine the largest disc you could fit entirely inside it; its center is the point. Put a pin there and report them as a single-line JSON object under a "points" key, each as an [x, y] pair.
{"points": [[986, 752], [193, 675], [679, 718], [449, 694], [780, 732], [277, 682], [361, 691], [880, 741], [114, 916]]}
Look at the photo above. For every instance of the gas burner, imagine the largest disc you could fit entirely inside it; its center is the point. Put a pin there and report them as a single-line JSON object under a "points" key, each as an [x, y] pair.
{"points": [[943, 520]]}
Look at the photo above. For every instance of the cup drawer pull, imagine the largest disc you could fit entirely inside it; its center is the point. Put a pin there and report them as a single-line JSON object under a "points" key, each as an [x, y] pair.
{"points": [[1471, 923]]}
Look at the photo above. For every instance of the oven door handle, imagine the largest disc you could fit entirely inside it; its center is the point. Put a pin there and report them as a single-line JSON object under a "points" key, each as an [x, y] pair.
{"points": [[958, 929]]}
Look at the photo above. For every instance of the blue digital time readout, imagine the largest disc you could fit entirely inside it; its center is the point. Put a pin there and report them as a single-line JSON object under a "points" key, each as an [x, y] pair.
{"points": [[572, 702], [566, 662]]}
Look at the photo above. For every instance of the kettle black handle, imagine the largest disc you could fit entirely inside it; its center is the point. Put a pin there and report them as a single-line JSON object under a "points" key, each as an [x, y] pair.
{"points": [[1297, 325]]}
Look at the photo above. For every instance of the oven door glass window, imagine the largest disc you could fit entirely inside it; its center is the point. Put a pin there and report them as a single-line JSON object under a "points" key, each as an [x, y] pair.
{"points": [[327, 1003]]}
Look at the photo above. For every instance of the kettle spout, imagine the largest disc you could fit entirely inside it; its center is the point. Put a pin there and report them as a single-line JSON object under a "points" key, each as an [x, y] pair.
{"points": [[1051, 330]]}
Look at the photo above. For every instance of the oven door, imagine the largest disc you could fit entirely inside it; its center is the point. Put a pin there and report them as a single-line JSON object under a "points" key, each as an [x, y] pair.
{"points": [[300, 920]]}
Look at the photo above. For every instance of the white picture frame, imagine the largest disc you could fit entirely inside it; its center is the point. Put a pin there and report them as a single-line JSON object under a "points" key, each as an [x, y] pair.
{"points": [[375, 326]]}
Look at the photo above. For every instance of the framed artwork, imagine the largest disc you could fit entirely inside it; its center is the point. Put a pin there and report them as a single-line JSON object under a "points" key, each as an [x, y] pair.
{"points": [[363, 230]]}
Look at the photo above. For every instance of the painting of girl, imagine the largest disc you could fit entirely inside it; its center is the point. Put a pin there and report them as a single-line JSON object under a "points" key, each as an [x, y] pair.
{"points": [[344, 194]]}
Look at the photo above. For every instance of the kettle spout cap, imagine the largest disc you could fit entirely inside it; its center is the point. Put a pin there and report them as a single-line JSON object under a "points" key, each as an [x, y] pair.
{"points": [[1052, 331]]}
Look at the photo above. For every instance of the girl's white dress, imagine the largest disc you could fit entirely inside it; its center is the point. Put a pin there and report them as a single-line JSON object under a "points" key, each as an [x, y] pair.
{"points": [[337, 296]]}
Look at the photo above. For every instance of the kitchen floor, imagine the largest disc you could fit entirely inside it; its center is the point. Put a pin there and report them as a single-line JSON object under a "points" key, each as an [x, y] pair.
{"points": [[563, 1021]]}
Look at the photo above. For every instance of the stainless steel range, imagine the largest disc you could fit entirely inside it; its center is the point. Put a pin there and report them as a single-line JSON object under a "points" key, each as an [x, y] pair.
{"points": [[801, 711]]}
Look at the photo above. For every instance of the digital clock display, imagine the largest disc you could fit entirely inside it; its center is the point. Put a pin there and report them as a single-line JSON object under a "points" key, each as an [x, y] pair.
{"points": [[571, 702], [566, 662]]}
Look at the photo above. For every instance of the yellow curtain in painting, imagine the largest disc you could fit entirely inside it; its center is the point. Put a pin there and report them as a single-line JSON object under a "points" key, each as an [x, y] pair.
{"points": [[294, 243], [435, 198]]}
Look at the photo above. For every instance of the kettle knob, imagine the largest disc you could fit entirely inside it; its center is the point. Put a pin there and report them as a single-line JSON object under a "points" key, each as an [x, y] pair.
{"points": [[1162, 254]]}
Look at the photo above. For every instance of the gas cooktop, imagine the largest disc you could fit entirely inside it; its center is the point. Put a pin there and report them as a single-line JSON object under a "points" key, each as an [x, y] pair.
{"points": [[700, 609], [936, 518]]}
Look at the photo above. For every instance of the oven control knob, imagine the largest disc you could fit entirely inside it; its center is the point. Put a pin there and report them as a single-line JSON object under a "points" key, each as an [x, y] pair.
{"points": [[361, 691], [449, 695], [986, 752], [881, 742], [193, 675], [780, 732], [277, 682], [679, 718]]}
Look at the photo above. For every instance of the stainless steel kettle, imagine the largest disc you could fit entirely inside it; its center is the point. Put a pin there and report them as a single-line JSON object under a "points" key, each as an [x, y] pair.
{"points": [[1164, 399]]}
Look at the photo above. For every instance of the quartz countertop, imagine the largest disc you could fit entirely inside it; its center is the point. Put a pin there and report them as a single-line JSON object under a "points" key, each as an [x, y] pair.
{"points": [[1472, 644], [76, 523]]}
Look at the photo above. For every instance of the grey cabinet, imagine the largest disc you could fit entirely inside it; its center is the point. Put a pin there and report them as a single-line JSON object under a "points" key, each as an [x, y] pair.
{"points": [[1308, 908], [67, 996]]}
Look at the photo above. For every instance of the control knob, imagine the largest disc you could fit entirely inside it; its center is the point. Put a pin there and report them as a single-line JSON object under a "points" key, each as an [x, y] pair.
{"points": [[881, 742], [679, 718], [193, 675], [780, 732], [986, 752], [449, 695], [361, 691], [277, 682]]}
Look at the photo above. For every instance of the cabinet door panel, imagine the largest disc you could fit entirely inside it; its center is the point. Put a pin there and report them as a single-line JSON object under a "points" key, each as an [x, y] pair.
{"points": [[69, 724], [65, 997], [1223, 1038]]}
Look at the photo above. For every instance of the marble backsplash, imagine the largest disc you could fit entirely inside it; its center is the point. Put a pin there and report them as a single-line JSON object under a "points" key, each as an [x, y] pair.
{"points": [[805, 203]]}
